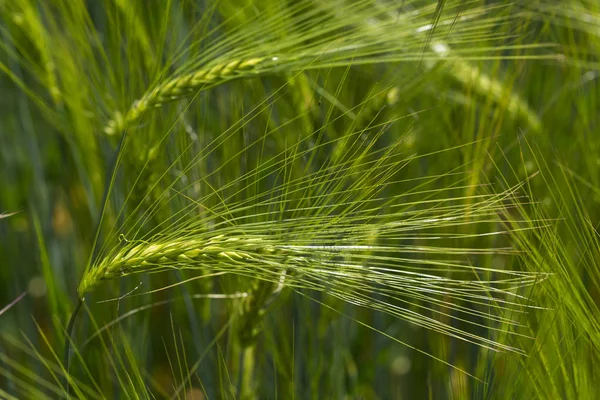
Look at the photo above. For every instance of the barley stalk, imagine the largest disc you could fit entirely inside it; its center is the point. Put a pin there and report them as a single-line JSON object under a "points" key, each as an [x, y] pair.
{"points": [[253, 310], [338, 240], [225, 70], [352, 273]]}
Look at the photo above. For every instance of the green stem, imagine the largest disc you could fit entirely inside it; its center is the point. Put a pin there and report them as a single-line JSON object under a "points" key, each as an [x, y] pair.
{"points": [[248, 389], [253, 310], [68, 340]]}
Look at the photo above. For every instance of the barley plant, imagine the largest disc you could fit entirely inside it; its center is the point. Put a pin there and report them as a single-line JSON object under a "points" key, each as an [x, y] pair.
{"points": [[340, 199]]}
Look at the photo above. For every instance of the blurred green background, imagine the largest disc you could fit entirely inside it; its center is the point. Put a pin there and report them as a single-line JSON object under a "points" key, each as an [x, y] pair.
{"points": [[499, 93]]}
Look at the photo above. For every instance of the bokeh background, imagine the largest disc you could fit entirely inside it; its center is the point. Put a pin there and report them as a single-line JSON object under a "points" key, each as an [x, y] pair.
{"points": [[497, 93]]}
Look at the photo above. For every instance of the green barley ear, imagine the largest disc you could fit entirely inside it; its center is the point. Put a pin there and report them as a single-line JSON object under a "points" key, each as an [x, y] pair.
{"points": [[184, 86], [190, 251], [353, 227], [340, 34]]}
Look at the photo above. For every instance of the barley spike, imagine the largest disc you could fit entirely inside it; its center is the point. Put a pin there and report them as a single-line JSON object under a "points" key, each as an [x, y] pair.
{"points": [[160, 255], [183, 86]]}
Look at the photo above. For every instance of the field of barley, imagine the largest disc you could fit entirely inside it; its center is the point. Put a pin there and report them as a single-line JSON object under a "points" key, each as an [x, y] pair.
{"points": [[299, 199]]}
